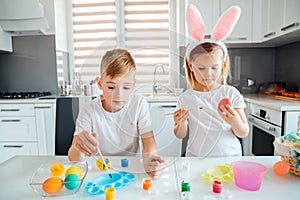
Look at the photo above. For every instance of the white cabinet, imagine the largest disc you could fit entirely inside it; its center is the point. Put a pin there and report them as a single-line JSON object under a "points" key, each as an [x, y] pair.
{"points": [[167, 143], [291, 16], [45, 126], [5, 41], [243, 30], [26, 129]]}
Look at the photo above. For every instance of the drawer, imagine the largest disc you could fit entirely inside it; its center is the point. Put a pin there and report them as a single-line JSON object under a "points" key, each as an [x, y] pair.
{"points": [[16, 110], [17, 129], [10, 149]]}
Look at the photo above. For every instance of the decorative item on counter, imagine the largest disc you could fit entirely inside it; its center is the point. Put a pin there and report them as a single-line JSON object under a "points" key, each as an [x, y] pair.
{"points": [[124, 162], [221, 173], [103, 166], [46, 181], [185, 190], [248, 175], [110, 193], [217, 187], [101, 183], [147, 183]]}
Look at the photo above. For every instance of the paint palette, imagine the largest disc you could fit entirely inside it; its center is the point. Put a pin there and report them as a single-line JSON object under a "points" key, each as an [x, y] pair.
{"points": [[100, 183]]}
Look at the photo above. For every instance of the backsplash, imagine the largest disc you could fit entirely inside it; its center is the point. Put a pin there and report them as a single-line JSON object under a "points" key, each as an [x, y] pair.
{"points": [[31, 67]]}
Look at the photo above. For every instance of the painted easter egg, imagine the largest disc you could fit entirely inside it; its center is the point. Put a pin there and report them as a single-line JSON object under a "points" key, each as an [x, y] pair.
{"points": [[224, 102], [281, 168], [57, 169], [74, 170], [101, 165], [52, 185], [72, 181]]}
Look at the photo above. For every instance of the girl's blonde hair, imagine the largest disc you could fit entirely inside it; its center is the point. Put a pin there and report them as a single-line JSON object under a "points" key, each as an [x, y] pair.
{"points": [[206, 48], [117, 62]]}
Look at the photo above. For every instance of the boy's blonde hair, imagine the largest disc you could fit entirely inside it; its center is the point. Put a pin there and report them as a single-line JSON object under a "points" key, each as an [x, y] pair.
{"points": [[206, 48], [117, 62]]}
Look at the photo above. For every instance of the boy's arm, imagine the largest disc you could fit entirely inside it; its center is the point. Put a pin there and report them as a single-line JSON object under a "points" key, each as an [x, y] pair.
{"points": [[149, 144], [74, 154], [180, 130]]}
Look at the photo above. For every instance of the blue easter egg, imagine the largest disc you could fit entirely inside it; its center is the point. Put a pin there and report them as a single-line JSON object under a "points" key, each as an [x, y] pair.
{"points": [[72, 181]]}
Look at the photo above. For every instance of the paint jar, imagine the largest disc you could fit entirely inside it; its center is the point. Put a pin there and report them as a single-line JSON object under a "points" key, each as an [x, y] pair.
{"points": [[217, 187], [110, 194], [147, 183], [185, 190]]}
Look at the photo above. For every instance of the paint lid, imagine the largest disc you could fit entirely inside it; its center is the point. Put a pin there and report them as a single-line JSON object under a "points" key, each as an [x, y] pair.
{"points": [[185, 187]]}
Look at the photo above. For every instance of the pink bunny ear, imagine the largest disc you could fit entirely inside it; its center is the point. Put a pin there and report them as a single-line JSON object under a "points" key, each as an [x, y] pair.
{"points": [[226, 23], [195, 23]]}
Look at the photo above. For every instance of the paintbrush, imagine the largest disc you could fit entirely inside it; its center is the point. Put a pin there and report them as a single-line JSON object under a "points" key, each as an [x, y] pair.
{"points": [[108, 171], [171, 113]]}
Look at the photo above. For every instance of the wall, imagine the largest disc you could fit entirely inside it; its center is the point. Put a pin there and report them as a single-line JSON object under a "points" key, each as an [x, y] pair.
{"points": [[287, 67], [31, 67]]}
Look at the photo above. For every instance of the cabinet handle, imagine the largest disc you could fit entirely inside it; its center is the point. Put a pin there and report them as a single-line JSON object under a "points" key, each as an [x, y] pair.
{"points": [[290, 26], [236, 38], [10, 120], [41, 107], [10, 110], [12, 146], [168, 106], [269, 34]]}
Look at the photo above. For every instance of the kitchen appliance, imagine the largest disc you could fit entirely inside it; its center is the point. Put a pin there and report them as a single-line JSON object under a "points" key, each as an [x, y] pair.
{"points": [[266, 124], [23, 95]]}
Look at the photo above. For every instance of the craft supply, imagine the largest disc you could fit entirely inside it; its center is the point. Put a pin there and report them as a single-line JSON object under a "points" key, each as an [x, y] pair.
{"points": [[124, 162], [147, 183], [171, 113], [110, 193], [217, 187], [185, 190], [72, 181], [108, 171]]}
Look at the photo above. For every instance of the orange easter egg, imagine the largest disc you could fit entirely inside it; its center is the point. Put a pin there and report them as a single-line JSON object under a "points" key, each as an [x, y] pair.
{"points": [[281, 168], [52, 185]]}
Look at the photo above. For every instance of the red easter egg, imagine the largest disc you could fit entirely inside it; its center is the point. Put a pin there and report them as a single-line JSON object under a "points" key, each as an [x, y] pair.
{"points": [[224, 102]]}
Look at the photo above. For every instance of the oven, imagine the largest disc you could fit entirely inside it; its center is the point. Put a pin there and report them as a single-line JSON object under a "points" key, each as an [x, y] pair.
{"points": [[265, 125]]}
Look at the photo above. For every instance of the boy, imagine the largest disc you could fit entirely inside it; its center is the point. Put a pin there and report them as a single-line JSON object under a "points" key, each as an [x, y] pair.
{"points": [[115, 121]]}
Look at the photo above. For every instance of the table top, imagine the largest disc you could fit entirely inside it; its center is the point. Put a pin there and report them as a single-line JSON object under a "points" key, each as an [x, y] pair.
{"points": [[17, 171]]}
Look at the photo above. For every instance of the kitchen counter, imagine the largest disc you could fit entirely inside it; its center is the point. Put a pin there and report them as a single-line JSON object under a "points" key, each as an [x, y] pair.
{"points": [[30, 100], [272, 103], [17, 171]]}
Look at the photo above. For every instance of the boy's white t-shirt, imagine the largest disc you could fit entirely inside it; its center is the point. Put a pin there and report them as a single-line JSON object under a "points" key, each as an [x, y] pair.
{"points": [[209, 134], [118, 133]]}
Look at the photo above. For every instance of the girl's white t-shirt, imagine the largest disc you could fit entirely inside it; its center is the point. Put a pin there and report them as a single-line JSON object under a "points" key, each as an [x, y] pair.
{"points": [[118, 133], [209, 134]]}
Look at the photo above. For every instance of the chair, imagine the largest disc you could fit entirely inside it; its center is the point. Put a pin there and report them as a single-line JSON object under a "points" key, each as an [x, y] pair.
{"points": [[67, 109]]}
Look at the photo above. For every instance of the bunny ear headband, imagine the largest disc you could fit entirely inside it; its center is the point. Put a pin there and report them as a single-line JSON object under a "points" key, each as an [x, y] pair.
{"points": [[221, 31]]}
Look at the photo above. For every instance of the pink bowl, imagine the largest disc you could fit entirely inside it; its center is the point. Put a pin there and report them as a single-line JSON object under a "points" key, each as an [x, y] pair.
{"points": [[248, 175]]}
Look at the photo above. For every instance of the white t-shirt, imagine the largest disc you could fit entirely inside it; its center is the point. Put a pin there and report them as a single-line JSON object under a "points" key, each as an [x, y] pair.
{"points": [[209, 134], [118, 133]]}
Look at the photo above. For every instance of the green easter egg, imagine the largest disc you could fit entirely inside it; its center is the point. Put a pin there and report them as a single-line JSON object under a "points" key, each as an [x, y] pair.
{"points": [[72, 181]]}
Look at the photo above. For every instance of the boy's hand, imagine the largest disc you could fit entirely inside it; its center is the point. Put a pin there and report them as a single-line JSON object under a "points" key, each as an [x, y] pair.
{"points": [[152, 166], [180, 116], [230, 115], [86, 143]]}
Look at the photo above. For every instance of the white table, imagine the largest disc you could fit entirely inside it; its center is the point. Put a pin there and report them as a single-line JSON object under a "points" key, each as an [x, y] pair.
{"points": [[15, 175]]}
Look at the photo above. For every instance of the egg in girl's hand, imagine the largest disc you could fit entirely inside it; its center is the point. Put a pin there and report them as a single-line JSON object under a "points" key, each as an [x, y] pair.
{"points": [[281, 168], [224, 102]]}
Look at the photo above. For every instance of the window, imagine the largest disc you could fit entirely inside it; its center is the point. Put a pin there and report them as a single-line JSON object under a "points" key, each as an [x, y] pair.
{"points": [[141, 26]]}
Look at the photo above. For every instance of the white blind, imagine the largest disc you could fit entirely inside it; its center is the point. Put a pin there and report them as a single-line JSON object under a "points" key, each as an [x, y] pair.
{"points": [[143, 29]]}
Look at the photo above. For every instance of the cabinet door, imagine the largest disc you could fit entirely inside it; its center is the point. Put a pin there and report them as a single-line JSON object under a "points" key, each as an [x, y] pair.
{"points": [[243, 29], [8, 150], [167, 143], [291, 15], [45, 126]]}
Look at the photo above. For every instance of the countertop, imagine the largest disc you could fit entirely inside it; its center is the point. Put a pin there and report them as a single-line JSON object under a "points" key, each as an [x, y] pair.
{"points": [[277, 104], [17, 171]]}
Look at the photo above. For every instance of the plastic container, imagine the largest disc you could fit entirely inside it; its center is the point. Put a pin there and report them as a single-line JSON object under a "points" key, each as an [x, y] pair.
{"points": [[248, 175]]}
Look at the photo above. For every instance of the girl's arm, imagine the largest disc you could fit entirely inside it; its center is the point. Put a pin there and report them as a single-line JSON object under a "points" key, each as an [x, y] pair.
{"points": [[237, 119], [180, 119]]}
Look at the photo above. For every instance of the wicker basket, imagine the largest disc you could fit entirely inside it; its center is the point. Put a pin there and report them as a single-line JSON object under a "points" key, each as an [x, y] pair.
{"points": [[285, 153]]}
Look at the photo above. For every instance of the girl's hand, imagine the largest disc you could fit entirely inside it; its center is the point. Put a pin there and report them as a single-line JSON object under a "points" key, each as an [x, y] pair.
{"points": [[181, 116], [86, 143], [230, 115], [152, 166]]}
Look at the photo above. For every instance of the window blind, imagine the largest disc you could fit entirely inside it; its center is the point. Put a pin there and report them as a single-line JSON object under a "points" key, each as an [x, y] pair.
{"points": [[141, 26]]}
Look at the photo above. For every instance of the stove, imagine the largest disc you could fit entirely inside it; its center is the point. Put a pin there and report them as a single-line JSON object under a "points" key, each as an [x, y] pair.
{"points": [[23, 95]]}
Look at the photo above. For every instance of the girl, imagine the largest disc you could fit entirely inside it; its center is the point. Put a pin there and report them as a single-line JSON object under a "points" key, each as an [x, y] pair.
{"points": [[212, 132], [116, 120]]}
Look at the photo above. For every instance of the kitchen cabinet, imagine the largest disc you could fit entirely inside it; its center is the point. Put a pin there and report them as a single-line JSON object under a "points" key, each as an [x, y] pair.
{"points": [[45, 126], [167, 143], [291, 16], [242, 33], [26, 129], [5, 41]]}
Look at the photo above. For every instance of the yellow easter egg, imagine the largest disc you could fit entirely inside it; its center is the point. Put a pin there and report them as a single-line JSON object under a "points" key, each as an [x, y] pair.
{"points": [[57, 169], [101, 165], [74, 170]]}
